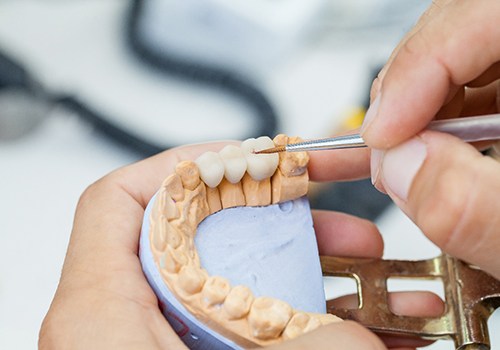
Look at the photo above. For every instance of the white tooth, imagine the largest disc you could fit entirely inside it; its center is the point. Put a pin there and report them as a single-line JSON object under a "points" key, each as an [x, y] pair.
{"points": [[260, 166], [211, 168], [235, 163]]}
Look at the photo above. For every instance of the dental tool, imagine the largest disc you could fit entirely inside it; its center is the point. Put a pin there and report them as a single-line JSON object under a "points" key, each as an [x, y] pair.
{"points": [[469, 129]]}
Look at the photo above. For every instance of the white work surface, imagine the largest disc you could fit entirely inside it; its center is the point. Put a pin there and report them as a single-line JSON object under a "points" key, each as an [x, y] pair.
{"points": [[43, 173]]}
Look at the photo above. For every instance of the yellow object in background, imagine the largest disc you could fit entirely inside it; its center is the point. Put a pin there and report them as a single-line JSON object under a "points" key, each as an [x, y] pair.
{"points": [[354, 118]]}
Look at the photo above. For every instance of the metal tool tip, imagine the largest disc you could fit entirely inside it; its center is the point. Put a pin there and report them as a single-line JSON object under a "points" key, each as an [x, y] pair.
{"points": [[271, 150]]}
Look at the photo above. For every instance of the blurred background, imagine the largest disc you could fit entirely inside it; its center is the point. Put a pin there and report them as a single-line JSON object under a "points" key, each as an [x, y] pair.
{"points": [[87, 86]]}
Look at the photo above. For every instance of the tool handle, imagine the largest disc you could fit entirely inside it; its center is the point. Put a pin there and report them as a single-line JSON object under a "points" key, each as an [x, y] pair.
{"points": [[470, 129]]}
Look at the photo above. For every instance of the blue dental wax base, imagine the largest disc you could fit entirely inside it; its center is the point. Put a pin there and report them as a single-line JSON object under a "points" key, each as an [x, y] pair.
{"points": [[270, 249]]}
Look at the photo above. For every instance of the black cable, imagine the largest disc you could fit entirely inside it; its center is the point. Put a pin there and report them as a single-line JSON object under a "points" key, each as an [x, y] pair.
{"points": [[14, 75], [267, 121], [102, 125]]}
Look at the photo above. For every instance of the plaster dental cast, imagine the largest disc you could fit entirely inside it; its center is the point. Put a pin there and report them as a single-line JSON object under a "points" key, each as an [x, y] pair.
{"points": [[447, 65], [235, 178]]}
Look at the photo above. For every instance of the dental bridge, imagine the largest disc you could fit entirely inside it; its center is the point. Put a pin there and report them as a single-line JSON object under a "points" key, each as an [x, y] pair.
{"points": [[237, 177]]}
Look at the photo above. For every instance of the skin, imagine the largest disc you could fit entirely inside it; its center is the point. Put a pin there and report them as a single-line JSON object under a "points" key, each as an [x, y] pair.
{"points": [[103, 300], [448, 66]]}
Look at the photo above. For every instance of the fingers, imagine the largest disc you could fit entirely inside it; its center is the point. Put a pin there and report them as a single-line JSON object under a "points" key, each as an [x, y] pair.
{"points": [[98, 319], [340, 234], [341, 335], [450, 191], [430, 66], [416, 304], [339, 165], [413, 304], [428, 15]]}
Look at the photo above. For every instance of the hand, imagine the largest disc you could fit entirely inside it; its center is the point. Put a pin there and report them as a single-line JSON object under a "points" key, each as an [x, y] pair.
{"points": [[448, 66], [103, 300]]}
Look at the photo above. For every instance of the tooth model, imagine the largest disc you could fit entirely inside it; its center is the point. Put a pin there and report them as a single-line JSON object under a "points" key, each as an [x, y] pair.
{"points": [[228, 246]]}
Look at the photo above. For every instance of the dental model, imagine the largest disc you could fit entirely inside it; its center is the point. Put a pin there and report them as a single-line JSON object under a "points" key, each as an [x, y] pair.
{"points": [[234, 177]]}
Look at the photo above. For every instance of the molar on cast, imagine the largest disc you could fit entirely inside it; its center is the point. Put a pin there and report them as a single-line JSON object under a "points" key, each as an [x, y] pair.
{"points": [[215, 290], [196, 206], [191, 279], [195, 258], [172, 260], [211, 168], [235, 164], [299, 324], [171, 236], [327, 318], [291, 163], [173, 184], [238, 302], [193, 209], [268, 317], [259, 166], [189, 174], [158, 240], [165, 205], [171, 211]]}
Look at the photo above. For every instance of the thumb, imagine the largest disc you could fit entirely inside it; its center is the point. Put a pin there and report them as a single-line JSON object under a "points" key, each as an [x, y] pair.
{"points": [[450, 190], [338, 335]]}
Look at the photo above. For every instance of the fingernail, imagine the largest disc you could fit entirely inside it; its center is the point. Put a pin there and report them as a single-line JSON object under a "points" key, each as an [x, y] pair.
{"points": [[375, 161], [400, 165], [371, 113]]}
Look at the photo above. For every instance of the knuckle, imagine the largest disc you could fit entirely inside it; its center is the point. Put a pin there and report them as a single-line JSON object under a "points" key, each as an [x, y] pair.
{"points": [[441, 211], [87, 195], [95, 191], [416, 45], [459, 212]]}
